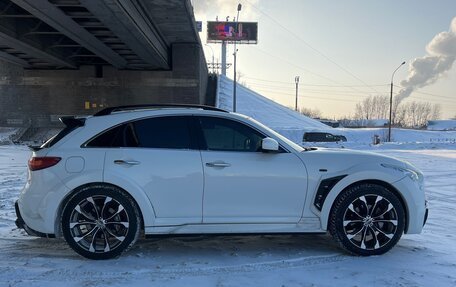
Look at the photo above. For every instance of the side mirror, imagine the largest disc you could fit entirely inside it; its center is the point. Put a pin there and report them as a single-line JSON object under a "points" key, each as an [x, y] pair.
{"points": [[269, 144]]}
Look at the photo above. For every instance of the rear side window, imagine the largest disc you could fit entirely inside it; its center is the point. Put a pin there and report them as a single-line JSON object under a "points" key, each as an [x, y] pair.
{"points": [[162, 132], [114, 137]]}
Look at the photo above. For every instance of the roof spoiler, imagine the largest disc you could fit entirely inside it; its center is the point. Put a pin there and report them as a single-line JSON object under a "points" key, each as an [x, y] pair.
{"points": [[72, 121]]}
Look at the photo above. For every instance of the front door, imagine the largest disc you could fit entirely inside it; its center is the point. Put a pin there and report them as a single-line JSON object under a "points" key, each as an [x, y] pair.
{"points": [[243, 184]]}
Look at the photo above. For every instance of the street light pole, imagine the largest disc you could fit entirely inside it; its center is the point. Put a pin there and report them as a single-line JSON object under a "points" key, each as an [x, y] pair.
{"points": [[391, 102], [297, 83], [239, 7]]}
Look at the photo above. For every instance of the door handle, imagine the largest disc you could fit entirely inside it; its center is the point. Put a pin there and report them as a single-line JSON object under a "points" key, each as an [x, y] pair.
{"points": [[218, 164], [126, 162]]}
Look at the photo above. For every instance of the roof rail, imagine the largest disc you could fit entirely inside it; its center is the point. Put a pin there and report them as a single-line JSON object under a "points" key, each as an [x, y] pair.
{"points": [[110, 110]]}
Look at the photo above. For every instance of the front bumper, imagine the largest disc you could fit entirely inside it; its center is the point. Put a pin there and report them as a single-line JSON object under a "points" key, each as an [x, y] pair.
{"points": [[413, 195], [20, 223]]}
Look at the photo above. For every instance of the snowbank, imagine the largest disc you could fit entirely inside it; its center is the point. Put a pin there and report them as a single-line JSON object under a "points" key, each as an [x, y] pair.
{"points": [[5, 134], [282, 119], [442, 125]]}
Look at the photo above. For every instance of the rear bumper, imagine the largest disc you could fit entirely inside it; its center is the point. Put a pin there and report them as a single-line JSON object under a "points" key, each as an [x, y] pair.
{"points": [[20, 223]]}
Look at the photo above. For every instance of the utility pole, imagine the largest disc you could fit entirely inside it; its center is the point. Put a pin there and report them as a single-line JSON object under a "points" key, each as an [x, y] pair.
{"points": [[239, 7], [297, 83]]}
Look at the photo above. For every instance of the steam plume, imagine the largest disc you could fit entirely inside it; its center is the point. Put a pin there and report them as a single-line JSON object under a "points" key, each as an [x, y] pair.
{"points": [[428, 69]]}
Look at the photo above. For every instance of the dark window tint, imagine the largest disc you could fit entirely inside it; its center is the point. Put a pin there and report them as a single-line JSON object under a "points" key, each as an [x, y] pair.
{"points": [[163, 132], [320, 137], [227, 135], [107, 138]]}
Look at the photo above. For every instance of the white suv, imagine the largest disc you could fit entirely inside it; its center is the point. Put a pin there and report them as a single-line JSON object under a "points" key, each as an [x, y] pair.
{"points": [[164, 169]]}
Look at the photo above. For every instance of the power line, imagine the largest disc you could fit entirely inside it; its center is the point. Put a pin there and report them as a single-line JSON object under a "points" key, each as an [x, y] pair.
{"points": [[315, 85], [309, 46], [431, 100], [312, 97], [310, 90], [429, 94], [296, 66], [306, 70]]}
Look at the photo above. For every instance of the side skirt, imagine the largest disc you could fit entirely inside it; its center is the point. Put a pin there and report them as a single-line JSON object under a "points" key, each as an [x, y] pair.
{"points": [[305, 225]]}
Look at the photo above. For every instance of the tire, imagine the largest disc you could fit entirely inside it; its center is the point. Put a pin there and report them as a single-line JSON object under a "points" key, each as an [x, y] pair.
{"points": [[367, 219], [101, 222]]}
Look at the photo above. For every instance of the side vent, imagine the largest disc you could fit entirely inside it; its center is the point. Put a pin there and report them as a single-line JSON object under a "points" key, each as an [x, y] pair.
{"points": [[325, 187]]}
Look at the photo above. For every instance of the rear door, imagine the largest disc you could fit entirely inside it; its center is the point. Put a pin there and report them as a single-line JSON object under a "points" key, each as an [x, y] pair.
{"points": [[160, 157]]}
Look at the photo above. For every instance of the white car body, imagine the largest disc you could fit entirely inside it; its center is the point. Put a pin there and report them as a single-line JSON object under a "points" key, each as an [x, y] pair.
{"points": [[186, 191]]}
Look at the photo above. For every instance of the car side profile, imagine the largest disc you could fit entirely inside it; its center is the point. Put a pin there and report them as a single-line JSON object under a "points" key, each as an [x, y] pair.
{"points": [[163, 169]]}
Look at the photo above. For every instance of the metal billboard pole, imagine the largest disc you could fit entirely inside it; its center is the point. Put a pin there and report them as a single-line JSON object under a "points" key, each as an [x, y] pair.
{"points": [[224, 58]]}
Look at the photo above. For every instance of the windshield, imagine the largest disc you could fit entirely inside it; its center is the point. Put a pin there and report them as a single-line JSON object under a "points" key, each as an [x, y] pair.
{"points": [[295, 146]]}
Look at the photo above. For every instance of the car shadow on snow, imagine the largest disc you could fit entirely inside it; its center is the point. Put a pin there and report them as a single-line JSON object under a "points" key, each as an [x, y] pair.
{"points": [[175, 248]]}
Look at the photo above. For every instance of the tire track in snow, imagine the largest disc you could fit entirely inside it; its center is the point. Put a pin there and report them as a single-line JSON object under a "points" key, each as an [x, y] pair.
{"points": [[43, 272]]}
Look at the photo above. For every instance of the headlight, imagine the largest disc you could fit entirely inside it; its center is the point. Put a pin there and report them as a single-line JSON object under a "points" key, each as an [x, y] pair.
{"points": [[414, 175]]}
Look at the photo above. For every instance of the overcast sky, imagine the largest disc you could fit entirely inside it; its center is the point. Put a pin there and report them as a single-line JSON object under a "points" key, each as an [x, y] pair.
{"points": [[343, 51]]}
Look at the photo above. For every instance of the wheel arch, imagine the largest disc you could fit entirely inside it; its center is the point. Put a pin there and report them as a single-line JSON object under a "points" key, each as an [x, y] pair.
{"points": [[329, 203], [64, 201]]}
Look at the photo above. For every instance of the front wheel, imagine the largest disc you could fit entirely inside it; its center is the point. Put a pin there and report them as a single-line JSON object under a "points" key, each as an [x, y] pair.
{"points": [[367, 219], [101, 222]]}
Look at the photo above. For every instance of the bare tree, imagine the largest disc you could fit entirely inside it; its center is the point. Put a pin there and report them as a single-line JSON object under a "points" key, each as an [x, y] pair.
{"points": [[409, 114], [373, 107], [416, 114], [436, 112], [311, 113]]}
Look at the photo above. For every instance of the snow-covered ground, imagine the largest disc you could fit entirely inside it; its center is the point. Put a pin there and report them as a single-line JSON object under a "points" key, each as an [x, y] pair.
{"points": [[254, 105], [427, 259]]}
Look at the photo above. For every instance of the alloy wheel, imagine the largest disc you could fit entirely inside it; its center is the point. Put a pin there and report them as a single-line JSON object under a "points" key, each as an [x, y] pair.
{"points": [[99, 224], [370, 222]]}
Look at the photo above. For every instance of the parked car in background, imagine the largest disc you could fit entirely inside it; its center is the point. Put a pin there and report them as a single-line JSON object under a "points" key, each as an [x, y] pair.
{"points": [[322, 137], [106, 179]]}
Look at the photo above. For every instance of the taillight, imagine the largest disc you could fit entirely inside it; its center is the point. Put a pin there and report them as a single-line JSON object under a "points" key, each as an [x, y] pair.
{"points": [[37, 163]]}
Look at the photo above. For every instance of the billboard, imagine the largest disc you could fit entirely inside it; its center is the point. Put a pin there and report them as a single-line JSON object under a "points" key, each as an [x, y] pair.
{"points": [[240, 32]]}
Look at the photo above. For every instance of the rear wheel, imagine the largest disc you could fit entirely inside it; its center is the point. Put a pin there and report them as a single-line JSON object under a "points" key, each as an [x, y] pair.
{"points": [[367, 219], [101, 222]]}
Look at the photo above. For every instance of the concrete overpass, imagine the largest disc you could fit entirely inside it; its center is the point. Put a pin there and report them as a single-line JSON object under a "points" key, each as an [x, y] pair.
{"points": [[76, 56]]}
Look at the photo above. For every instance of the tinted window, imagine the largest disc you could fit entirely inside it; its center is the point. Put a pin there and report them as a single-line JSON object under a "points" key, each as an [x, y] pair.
{"points": [[163, 132], [319, 137], [330, 137], [227, 135], [110, 138]]}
